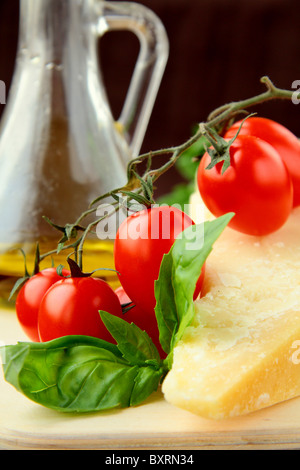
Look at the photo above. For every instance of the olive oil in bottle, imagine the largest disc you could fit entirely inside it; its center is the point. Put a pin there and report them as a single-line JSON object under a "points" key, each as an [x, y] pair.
{"points": [[97, 255]]}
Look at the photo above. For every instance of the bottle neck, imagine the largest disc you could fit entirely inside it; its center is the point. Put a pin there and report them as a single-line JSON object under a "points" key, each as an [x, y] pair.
{"points": [[46, 25]]}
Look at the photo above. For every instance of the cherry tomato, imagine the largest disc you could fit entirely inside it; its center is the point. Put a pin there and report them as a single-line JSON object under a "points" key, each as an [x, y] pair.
{"points": [[29, 299], [256, 187], [71, 307], [140, 318], [141, 241], [283, 140]]}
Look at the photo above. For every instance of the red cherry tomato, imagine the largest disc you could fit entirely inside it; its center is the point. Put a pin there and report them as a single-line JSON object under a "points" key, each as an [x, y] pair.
{"points": [[256, 187], [283, 140], [71, 307], [141, 241], [29, 299], [142, 319]]}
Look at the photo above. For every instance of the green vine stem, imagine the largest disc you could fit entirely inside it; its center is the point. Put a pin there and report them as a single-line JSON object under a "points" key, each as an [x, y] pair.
{"points": [[221, 114], [140, 188], [217, 117]]}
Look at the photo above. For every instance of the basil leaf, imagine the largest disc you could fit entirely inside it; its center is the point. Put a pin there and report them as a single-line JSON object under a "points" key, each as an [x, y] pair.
{"points": [[146, 382], [13, 358], [77, 374], [135, 344], [179, 272]]}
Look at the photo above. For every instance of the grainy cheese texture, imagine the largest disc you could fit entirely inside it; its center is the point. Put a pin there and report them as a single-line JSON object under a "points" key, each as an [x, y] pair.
{"points": [[242, 351]]}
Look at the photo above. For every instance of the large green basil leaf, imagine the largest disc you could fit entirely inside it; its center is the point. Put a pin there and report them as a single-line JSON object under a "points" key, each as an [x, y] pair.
{"points": [[179, 272], [78, 374]]}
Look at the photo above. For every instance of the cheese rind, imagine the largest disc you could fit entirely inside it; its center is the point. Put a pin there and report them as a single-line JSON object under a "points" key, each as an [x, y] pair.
{"points": [[241, 352]]}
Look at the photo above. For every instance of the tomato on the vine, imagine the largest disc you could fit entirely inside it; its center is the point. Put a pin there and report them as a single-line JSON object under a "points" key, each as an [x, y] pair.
{"points": [[141, 242], [29, 299], [281, 138], [71, 307], [256, 186]]}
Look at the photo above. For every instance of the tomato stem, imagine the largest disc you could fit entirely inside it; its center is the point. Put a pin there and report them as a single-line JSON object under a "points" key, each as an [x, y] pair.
{"points": [[220, 147], [221, 114]]}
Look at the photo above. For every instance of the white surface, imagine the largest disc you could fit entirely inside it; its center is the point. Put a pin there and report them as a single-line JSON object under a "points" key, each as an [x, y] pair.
{"points": [[153, 425]]}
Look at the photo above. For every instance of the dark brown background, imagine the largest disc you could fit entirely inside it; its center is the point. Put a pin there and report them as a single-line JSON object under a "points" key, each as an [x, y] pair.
{"points": [[218, 51]]}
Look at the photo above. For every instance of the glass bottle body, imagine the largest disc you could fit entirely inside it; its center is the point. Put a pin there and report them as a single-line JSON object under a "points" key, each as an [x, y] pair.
{"points": [[60, 147]]}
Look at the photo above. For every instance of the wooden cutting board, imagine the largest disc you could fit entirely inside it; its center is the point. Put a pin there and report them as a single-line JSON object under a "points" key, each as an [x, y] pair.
{"points": [[152, 425]]}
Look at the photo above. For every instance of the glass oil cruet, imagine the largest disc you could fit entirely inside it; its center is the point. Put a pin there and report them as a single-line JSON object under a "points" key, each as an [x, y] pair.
{"points": [[60, 147]]}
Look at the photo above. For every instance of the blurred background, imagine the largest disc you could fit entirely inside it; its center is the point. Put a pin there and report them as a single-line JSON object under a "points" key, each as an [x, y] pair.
{"points": [[219, 49]]}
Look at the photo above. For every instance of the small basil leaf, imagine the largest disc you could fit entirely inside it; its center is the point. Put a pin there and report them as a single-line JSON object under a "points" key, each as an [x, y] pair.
{"points": [[165, 309], [146, 382], [179, 272], [135, 344]]}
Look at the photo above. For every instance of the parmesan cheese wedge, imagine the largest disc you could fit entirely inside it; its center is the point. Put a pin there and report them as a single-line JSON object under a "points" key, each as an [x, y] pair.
{"points": [[242, 351]]}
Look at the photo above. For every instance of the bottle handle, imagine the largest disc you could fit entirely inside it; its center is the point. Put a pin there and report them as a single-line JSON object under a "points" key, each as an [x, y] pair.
{"points": [[149, 68]]}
